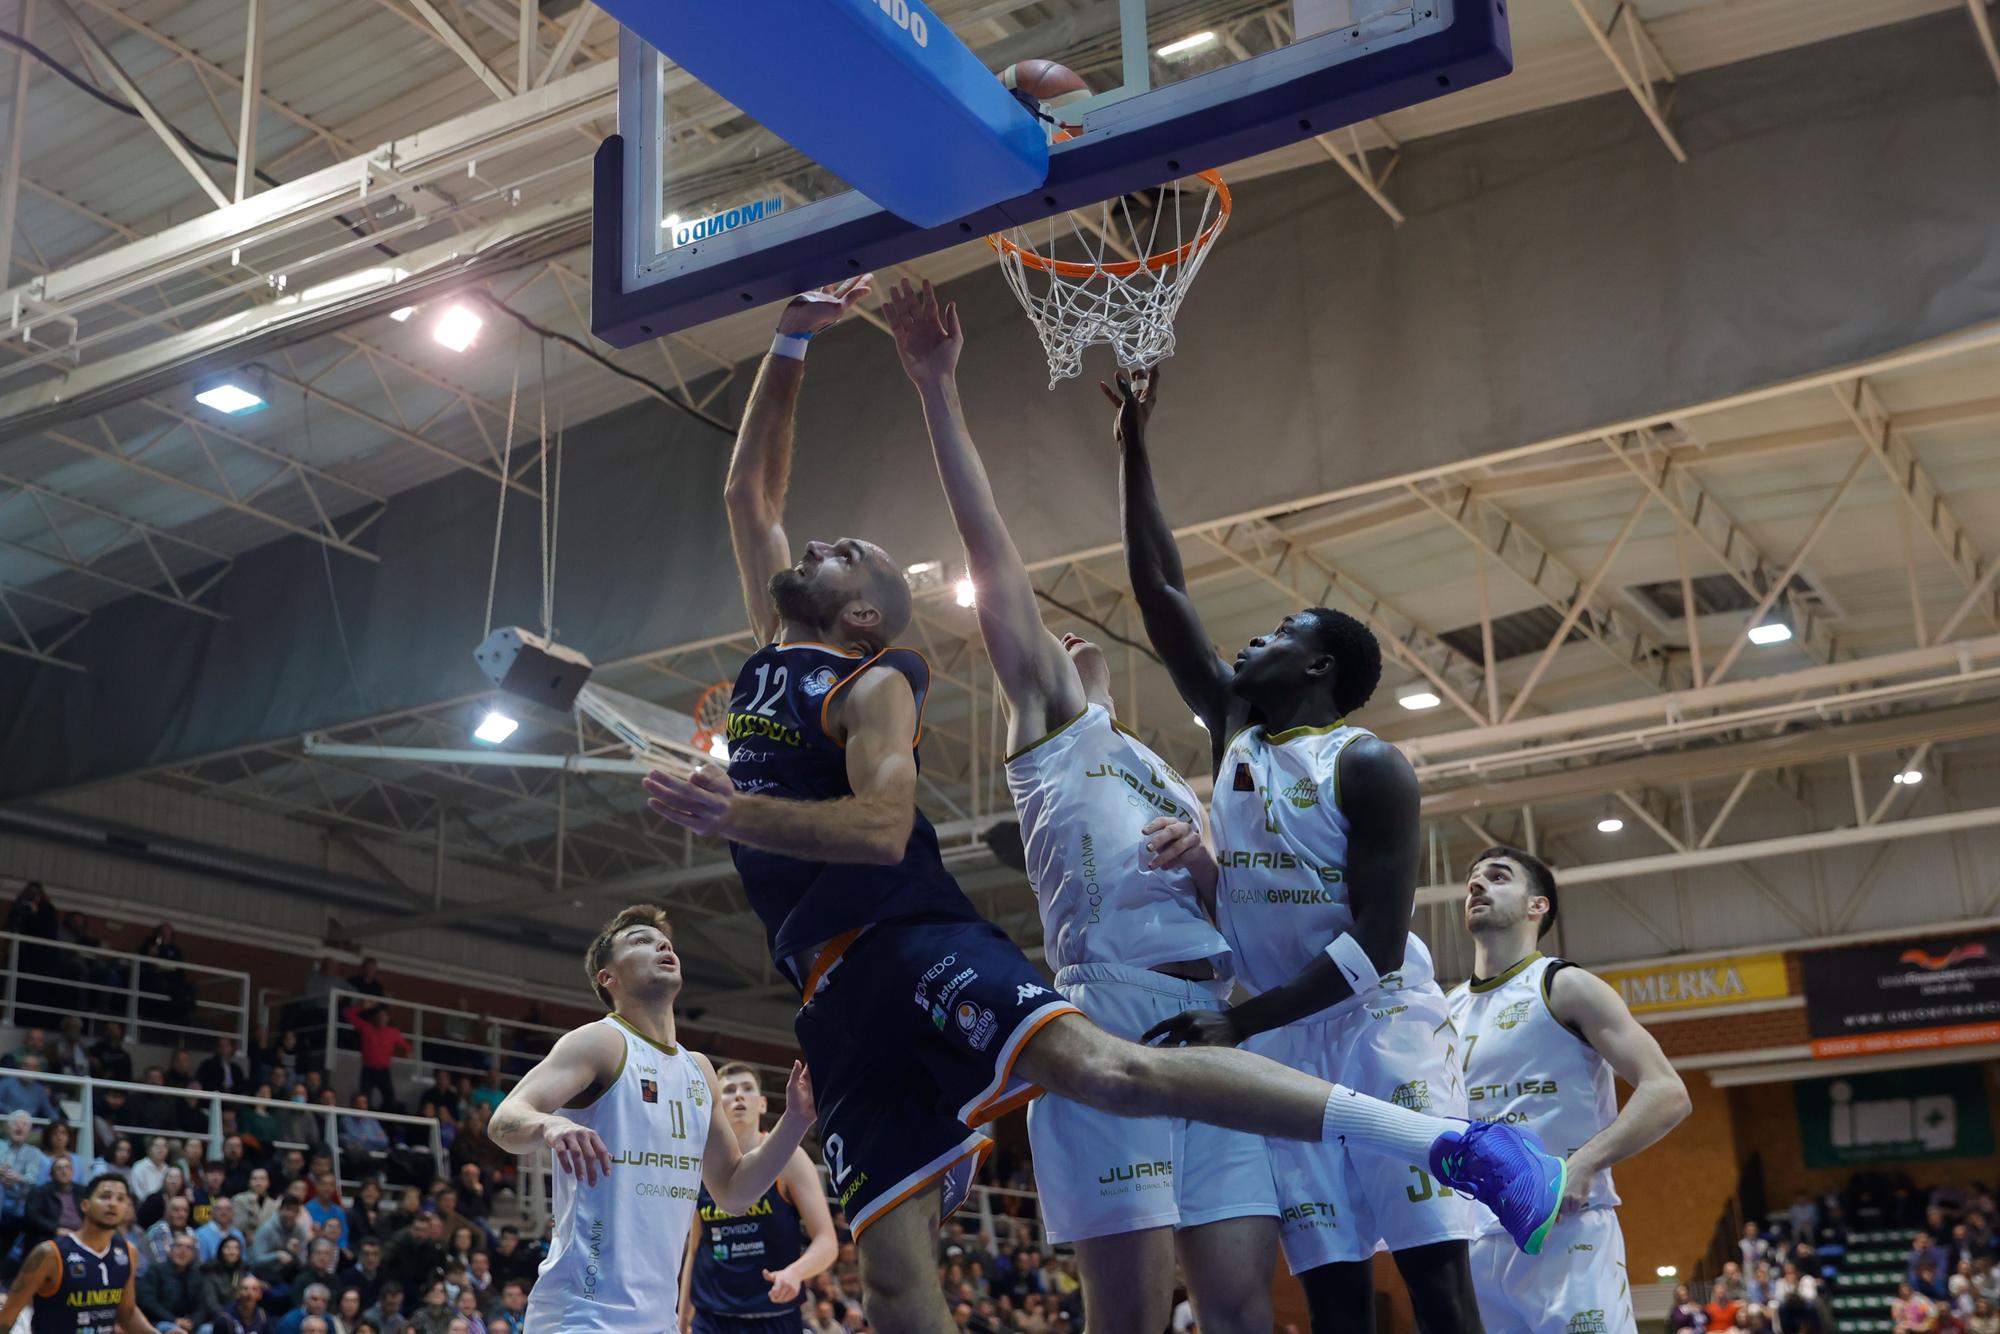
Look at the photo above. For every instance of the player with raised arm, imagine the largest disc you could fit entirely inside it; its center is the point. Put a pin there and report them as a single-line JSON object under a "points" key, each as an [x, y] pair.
{"points": [[628, 1115], [920, 1020], [1543, 1039], [87, 1281], [1316, 827], [744, 1271]]}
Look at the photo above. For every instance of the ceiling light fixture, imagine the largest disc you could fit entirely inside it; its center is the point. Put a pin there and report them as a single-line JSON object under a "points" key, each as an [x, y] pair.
{"points": [[457, 327], [495, 727], [1192, 42], [1770, 632]]}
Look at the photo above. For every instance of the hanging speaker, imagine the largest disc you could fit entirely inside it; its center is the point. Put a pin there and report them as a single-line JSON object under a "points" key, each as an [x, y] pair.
{"points": [[532, 668]]}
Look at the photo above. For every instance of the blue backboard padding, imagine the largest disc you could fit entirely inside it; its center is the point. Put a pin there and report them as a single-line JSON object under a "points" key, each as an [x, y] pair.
{"points": [[879, 92], [1223, 116]]}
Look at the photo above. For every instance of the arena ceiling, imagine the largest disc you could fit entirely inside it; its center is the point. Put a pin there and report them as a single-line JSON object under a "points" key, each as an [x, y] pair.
{"points": [[1610, 579]]}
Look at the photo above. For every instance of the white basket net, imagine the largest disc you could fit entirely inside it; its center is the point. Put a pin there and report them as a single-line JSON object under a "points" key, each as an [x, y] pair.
{"points": [[1115, 275]]}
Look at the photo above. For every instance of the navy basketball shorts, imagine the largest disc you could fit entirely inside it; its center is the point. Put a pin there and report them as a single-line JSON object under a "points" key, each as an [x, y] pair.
{"points": [[911, 1029]]}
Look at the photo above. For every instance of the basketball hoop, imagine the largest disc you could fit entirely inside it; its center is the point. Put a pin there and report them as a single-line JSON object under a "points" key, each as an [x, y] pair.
{"points": [[1117, 279], [711, 721]]}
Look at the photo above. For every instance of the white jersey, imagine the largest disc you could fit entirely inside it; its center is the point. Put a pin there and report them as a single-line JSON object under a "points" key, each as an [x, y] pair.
{"points": [[615, 1249], [1083, 793], [1281, 842], [1523, 1066]]}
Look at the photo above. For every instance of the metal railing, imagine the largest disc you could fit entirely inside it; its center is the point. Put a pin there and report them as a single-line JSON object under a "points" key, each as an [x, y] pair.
{"points": [[111, 984], [83, 1123]]}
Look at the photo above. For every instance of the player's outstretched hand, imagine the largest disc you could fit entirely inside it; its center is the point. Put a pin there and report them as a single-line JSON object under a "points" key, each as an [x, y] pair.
{"points": [[1134, 398], [577, 1150], [799, 1094], [785, 1285], [927, 339], [812, 312], [1195, 1028], [700, 802]]}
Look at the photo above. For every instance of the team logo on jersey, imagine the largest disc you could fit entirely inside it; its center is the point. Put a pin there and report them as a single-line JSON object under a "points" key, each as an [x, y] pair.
{"points": [[1244, 782], [1303, 794], [1586, 1322], [1513, 1016], [977, 1023], [76, 1269], [819, 682], [1027, 991], [649, 1091], [1415, 1095], [698, 1092]]}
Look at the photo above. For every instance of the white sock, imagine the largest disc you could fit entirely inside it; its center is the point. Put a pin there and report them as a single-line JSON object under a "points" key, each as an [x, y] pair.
{"points": [[1362, 1122]]}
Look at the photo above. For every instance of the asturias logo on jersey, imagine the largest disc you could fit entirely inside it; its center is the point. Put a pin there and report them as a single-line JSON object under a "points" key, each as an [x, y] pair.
{"points": [[819, 682]]}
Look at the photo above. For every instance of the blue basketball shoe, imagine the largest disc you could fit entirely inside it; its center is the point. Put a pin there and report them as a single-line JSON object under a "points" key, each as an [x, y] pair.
{"points": [[1508, 1171]]}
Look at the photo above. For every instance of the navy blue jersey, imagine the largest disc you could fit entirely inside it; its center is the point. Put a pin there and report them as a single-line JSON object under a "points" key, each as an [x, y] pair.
{"points": [[779, 746], [91, 1290], [736, 1249]]}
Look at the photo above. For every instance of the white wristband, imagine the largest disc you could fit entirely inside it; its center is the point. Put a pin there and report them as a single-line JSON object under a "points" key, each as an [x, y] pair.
{"points": [[1346, 951], [790, 345]]}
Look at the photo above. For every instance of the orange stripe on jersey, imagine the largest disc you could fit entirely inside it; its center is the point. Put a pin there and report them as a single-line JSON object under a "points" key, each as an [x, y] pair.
{"points": [[828, 957]]}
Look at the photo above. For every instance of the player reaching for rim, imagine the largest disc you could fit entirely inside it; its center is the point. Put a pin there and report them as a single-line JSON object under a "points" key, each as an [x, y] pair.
{"points": [[1316, 827], [819, 807]]}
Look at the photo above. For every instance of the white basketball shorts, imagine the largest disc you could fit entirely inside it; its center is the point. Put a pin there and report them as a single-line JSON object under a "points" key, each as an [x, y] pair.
{"points": [[1100, 1174], [1577, 1285], [1335, 1204]]}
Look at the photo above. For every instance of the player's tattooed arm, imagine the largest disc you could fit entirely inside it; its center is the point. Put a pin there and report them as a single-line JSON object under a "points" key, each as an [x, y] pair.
{"points": [[1378, 791], [1037, 678], [578, 1067], [40, 1275], [1590, 1007], [760, 468], [737, 1179], [870, 828], [1153, 561]]}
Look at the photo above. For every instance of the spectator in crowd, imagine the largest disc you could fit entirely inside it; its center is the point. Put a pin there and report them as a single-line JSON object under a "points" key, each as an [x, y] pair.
{"points": [[1958, 1288], [1924, 1250], [368, 981], [313, 1305], [1912, 1312], [1757, 1291], [69, 1054], [256, 1124], [180, 1070], [296, 1123], [512, 1260], [387, 1312], [323, 1263], [108, 1057], [21, 1091], [467, 1308], [173, 1186], [464, 1237], [150, 1172], [325, 1202], [1722, 1306], [1831, 1237], [117, 1162], [291, 1171], [443, 1093], [286, 1230], [365, 1274], [23, 1166], [55, 1206], [1686, 1312], [34, 1042], [822, 1320], [286, 1058], [434, 1315], [367, 1218], [381, 1043], [170, 1289], [346, 1315], [154, 1111], [221, 1273], [102, 975], [236, 1165], [158, 976], [489, 1094], [334, 1232], [472, 1201], [205, 1186], [133, 1236], [1983, 1319], [415, 1253], [246, 1314], [222, 1072], [220, 1227], [1795, 1298], [163, 1236], [1732, 1278], [362, 1136], [1751, 1248], [255, 1203], [38, 995], [1928, 1282], [514, 1302]]}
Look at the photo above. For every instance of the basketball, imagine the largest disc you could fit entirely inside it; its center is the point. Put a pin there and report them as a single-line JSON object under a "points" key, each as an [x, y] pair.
{"points": [[1048, 83]]}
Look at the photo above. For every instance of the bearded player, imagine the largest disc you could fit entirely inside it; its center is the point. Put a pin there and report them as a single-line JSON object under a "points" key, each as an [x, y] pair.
{"points": [[628, 1115], [921, 1021], [1316, 826], [84, 1282], [1543, 1039]]}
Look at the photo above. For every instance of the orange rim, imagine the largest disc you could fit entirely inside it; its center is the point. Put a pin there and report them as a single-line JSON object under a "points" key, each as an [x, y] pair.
{"points": [[1124, 268], [711, 715]]}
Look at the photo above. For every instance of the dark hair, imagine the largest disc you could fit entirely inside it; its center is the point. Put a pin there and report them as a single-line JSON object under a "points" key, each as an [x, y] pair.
{"points": [[739, 1068], [1540, 878], [639, 914], [1356, 655], [90, 1187], [391, 1286]]}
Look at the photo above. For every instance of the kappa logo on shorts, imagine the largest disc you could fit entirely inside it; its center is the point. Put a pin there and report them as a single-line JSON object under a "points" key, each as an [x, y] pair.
{"points": [[1586, 1322], [978, 1024], [1513, 1016], [1027, 991], [819, 682], [1415, 1095]]}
